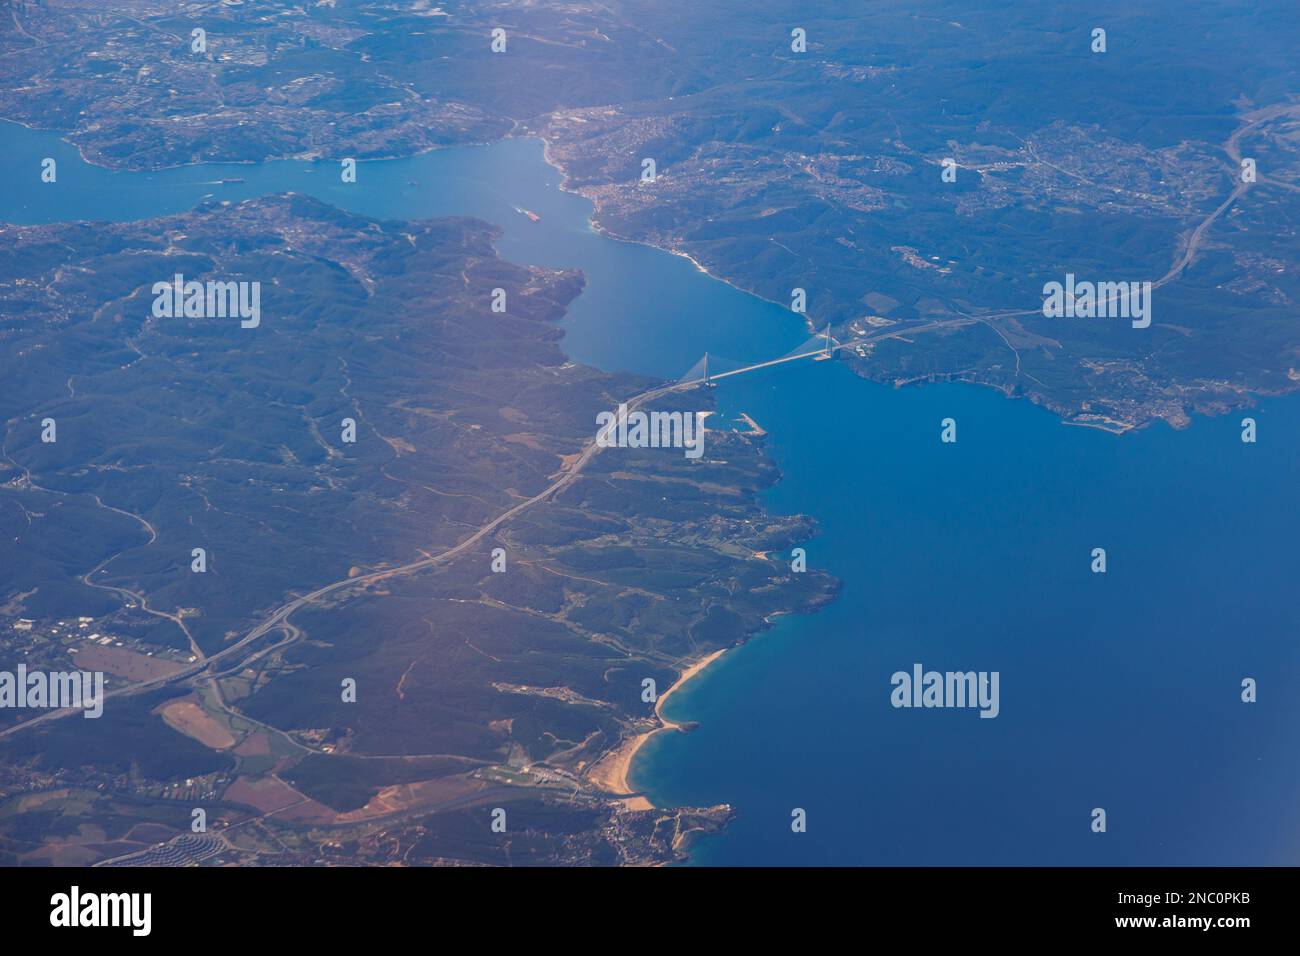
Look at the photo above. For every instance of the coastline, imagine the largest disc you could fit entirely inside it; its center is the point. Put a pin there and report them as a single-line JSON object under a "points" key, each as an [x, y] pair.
{"points": [[594, 222], [611, 771], [521, 130]]}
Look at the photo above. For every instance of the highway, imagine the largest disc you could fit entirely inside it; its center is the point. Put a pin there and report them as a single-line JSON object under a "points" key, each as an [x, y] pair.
{"points": [[278, 619]]}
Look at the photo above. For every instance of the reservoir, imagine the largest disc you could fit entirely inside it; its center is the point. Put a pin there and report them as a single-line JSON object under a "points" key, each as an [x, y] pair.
{"points": [[1119, 691]]}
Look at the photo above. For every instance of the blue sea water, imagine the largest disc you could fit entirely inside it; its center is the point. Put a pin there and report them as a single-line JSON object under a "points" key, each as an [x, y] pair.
{"points": [[1119, 691]]}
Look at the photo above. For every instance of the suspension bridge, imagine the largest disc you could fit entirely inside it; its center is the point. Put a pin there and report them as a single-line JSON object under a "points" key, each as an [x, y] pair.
{"points": [[712, 368]]}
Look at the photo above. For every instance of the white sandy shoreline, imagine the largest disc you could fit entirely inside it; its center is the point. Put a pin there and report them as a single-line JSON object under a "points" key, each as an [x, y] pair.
{"points": [[612, 770]]}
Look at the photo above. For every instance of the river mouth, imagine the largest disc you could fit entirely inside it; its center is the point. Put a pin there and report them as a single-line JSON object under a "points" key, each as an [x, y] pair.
{"points": [[1119, 690]]}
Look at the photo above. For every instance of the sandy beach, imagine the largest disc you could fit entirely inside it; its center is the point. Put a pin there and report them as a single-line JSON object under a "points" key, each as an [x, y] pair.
{"points": [[610, 772]]}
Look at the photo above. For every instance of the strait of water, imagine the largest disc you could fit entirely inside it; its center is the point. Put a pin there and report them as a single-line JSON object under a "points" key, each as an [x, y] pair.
{"points": [[1119, 691]]}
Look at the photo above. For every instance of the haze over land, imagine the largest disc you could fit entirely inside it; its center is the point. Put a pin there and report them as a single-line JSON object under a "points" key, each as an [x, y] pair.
{"points": [[373, 561]]}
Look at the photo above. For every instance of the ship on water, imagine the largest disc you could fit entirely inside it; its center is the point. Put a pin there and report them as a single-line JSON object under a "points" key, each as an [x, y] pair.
{"points": [[529, 213]]}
